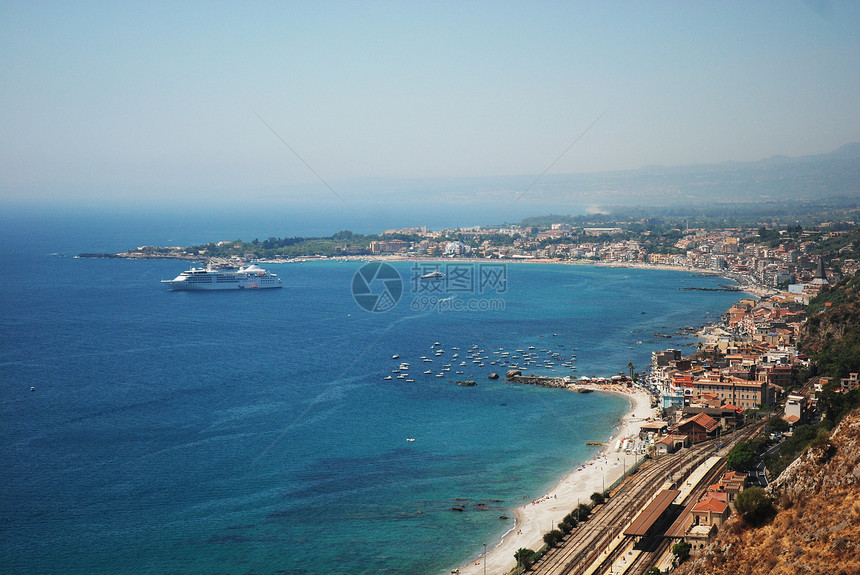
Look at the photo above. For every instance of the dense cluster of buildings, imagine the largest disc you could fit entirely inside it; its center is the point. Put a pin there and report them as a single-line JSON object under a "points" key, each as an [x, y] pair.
{"points": [[703, 518], [731, 250], [746, 362]]}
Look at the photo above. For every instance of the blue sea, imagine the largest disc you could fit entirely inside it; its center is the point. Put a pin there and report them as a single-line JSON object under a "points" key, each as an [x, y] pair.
{"points": [[155, 432]]}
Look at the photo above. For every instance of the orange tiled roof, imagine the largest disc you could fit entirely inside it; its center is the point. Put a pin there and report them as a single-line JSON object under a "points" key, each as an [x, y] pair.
{"points": [[703, 419], [712, 505], [716, 496]]}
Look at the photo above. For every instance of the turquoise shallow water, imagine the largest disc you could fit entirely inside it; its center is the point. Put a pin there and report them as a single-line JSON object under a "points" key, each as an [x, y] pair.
{"points": [[255, 433]]}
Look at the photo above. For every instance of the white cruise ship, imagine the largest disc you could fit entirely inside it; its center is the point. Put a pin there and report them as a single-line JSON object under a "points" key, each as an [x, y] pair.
{"points": [[248, 277]]}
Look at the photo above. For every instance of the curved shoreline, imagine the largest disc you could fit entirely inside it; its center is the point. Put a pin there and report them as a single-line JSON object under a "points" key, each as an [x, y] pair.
{"points": [[746, 283], [537, 517]]}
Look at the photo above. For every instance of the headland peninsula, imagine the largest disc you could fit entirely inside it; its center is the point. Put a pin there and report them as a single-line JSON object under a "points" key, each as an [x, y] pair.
{"points": [[758, 252]]}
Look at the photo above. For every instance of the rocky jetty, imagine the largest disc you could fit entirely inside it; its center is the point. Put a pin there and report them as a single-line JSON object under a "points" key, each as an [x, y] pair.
{"points": [[516, 376]]}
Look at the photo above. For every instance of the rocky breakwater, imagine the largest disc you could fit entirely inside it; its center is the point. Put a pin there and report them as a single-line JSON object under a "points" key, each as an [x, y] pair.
{"points": [[516, 376]]}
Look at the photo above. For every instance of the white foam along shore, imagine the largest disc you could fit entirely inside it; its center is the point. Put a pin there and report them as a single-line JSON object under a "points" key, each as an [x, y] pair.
{"points": [[545, 513]]}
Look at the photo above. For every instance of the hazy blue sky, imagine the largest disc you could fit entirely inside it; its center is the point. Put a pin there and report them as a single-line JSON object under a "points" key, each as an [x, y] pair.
{"points": [[122, 99]]}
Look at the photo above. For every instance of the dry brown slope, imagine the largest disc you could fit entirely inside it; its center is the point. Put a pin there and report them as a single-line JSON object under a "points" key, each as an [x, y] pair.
{"points": [[817, 527]]}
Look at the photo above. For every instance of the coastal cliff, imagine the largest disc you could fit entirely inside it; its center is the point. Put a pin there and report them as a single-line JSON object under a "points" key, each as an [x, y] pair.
{"points": [[816, 528], [832, 334]]}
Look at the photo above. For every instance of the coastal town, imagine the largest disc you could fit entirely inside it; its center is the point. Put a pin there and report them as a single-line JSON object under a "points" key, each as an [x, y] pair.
{"points": [[709, 423], [719, 419], [751, 390], [756, 256]]}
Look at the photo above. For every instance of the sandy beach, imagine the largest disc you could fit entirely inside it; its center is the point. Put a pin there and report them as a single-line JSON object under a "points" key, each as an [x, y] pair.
{"points": [[539, 516], [745, 282]]}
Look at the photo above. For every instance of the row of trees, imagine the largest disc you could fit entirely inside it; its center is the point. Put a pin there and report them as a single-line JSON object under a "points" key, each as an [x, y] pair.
{"points": [[526, 557]]}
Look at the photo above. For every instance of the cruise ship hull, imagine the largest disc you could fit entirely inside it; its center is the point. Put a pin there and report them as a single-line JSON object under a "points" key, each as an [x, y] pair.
{"points": [[251, 277]]}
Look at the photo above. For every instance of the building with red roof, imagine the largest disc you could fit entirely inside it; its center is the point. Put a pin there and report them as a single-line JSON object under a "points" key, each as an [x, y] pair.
{"points": [[699, 427]]}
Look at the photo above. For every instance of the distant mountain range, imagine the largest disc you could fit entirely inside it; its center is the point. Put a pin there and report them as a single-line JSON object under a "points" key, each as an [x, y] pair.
{"points": [[779, 179]]}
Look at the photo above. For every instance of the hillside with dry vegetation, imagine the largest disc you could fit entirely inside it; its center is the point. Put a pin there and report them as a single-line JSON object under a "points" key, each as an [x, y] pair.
{"points": [[832, 333], [816, 528]]}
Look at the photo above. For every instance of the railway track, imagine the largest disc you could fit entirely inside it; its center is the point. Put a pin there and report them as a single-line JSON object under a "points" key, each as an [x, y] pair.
{"points": [[652, 550], [595, 545], [586, 543]]}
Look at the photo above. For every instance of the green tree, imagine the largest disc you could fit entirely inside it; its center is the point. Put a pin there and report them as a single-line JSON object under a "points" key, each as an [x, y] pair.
{"points": [[681, 551], [754, 506], [777, 423], [652, 571], [742, 458], [343, 235], [823, 445], [597, 497], [583, 511], [568, 523], [525, 557], [553, 538], [834, 406]]}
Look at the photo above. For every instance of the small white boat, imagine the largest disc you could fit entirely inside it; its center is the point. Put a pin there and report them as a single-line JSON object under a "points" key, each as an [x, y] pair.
{"points": [[437, 275]]}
